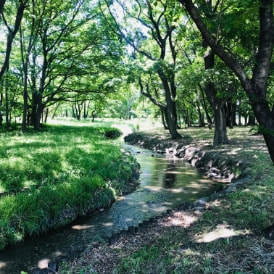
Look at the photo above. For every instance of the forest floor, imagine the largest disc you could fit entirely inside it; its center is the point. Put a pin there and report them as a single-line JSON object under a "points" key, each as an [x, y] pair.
{"points": [[234, 234]]}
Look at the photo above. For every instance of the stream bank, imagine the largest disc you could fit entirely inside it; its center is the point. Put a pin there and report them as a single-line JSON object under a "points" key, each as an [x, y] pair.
{"points": [[228, 237], [214, 163]]}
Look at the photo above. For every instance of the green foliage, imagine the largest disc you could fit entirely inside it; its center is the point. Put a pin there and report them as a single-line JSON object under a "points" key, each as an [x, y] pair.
{"points": [[113, 133]]}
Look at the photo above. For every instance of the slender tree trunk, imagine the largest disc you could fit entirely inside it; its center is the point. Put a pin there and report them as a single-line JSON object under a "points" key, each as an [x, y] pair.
{"points": [[7, 110], [25, 104], [229, 113], [171, 115], [37, 110], [217, 104], [46, 115], [220, 136], [54, 111], [201, 116], [234, 108], [171, 119], [93, 115], [251, 119], [209, 120], [1, 103], [163, 115]]}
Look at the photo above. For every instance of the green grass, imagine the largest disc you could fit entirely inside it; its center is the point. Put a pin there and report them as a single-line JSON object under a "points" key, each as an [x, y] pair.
{"points": [[47, 178]]}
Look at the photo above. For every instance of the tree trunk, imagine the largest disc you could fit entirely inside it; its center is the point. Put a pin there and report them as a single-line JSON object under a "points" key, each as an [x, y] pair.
{"points": [[170, 110], [46, 115], [209, 120], [264, 116], [163, 115], [1, 103], [234, 107], [201, 116], [37, 108], [229, 113], [217, 104], [6, 85], [220, 136], [55, 110], [251, 119], [25, 105], [171, 119]]}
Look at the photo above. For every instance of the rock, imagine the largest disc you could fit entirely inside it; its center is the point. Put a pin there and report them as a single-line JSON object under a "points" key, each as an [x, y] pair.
{"points": [[199, 208], [53, 266], [200, 203], [193, 162], [269, 232]]}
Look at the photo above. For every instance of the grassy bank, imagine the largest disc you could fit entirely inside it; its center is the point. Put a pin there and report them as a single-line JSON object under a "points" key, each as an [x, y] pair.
{"points": [[230, 236], [47, 178]]}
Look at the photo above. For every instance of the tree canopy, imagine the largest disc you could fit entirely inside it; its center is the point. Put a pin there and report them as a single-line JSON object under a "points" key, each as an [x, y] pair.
{"points": [[191, 63]]}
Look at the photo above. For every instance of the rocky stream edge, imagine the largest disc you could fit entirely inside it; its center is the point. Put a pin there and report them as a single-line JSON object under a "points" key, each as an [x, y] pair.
{"points": [[216, 165]]}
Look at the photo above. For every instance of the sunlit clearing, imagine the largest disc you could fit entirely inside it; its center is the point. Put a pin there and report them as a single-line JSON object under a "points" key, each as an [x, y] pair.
{"points": [[81, 227], [2, 265], [43, 263], [221, 231]]}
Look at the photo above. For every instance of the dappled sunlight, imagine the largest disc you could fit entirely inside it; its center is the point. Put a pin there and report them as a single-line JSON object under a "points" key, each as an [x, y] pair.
{"points": [[154, 188], [43, 263], [2, 265], [81, 227], [58, 253], [221, 231], [109, 224], [234, 151], [181, 219]]}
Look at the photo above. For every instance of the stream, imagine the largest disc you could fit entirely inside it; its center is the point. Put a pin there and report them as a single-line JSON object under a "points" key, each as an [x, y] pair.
{"points": [[165, 183]]}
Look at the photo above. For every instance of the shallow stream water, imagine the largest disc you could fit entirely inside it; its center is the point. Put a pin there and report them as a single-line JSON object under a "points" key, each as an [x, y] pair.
{"points": [[166, 183]]}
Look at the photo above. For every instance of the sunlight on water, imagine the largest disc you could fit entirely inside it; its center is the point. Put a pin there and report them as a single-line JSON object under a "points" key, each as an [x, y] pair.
{"points": [[81, 227]]}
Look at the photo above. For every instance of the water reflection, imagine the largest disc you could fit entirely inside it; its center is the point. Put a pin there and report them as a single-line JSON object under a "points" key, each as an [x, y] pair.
{"points": [[165, 183], [170, 175]]}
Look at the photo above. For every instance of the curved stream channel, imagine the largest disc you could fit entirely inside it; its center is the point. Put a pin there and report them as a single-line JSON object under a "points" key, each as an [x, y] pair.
{"points": [[166, 183]]}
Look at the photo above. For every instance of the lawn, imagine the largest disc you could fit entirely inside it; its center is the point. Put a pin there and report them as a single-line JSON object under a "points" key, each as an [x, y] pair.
{"points": [[48, 178]]}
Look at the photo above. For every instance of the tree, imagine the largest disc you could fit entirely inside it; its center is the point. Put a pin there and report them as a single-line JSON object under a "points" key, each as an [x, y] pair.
{"points": [[255, 85], [149, 28], [67, 53], [11, 30]]}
